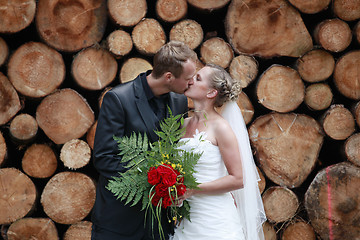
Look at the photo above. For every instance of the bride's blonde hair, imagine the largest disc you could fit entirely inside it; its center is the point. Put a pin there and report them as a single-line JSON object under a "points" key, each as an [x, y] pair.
{"points": [[228, 88]]}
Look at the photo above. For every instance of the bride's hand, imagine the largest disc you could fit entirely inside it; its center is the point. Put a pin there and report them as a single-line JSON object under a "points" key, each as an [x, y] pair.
{"points": [[186, 195]]}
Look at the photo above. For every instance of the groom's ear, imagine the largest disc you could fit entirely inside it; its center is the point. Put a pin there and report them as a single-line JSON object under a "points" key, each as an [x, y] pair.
{"points": [[212, 93]]}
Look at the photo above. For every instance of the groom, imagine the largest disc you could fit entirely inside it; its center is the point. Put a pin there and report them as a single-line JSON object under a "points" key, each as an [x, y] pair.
{"points": [[136, 106]]}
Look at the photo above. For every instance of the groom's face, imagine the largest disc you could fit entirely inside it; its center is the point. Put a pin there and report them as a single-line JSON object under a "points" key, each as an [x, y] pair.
{"points": [[181, 84]]}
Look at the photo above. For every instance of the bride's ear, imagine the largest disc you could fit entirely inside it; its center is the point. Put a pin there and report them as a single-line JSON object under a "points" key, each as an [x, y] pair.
{"points": [[212, 93]]}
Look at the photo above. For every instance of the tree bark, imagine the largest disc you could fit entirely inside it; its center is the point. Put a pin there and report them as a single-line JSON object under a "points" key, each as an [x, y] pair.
{"points": [[119, 43], [216, 50], [318, 96], [338, 122], [280, 88], [347, 10], [286, 146], [17, 194], [148, 36], [4, 51], [71, 25], [33, 228], [39, 161], [62, 124], [68, 197], [352, 149], [332, 201], [79, 231], [127, 13], [347, 75], [171, 10], [333, 35], [36, 70], [299, 231], [3, 149], [23, 128], [244, 69], [16, 15], [315, 66], [132, 67], [310, 7], [94, 68], [280, 204], [208, 5], [75, 154], [187, 31], [278, 30], [9, 100]]}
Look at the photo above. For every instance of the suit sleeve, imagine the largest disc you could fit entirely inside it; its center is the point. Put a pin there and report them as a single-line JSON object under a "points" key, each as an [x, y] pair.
{"points": [[111, 122]]}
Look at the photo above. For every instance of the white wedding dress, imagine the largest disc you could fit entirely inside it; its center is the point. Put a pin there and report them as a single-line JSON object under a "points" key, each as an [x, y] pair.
{"points": [[212, 216]]}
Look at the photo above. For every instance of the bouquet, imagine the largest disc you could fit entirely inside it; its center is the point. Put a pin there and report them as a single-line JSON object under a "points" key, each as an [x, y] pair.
{"points": [[157, 173]]}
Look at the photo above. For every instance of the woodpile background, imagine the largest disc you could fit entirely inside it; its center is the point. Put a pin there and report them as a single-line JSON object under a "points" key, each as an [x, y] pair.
{"points": [[298, 62]]}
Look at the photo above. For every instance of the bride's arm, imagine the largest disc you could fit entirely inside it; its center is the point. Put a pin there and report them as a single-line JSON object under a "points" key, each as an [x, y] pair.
{"points": [[229, 150]]}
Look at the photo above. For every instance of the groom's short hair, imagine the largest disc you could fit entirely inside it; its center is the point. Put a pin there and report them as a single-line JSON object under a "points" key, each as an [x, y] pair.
{"points": [[171, 57]]}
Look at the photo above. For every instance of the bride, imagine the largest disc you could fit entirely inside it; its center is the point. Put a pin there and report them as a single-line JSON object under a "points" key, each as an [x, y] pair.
{"points": [[228, 203]]}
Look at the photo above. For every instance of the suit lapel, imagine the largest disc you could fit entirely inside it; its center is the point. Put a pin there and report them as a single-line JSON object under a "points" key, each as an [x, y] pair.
{"points": [[144, 109]]}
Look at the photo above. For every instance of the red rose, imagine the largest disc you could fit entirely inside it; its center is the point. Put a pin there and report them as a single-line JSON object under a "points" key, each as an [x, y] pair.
{"points": [[162, 190], [153, 176], [155, 199], [181, 189], [166, 201], [168, 175]]}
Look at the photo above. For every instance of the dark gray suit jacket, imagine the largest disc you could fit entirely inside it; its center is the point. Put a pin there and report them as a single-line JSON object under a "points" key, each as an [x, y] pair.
{"points": [[125, 109]]}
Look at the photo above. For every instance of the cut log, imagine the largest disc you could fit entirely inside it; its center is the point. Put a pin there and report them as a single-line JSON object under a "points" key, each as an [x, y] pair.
{"points": [[352, 149], [132, 67], [333, 35], [318, 96], [16, 15], [9, 100], [338, 122], [357, 113], [33, 228], [216, 50], [171, 10], [208, 5], [119, 43], [75, 154], [71, 25], [4, 51], [310, 7], [347, 10], [94, 68], [266, 28], [60, 123], [79, 231], [244, 69], [36, 70], [286, 146], [3, 149], [148, 36], [127, 13], [269, 231], [23, 128], [299, 231], [187, 31], [347, 75], [280, 88], [280, 204], [90, 136], [315, 66], [17, 194], [262, 182], [356, 31], [332, 202], [39, 161], [102, 95], [68, 197]]}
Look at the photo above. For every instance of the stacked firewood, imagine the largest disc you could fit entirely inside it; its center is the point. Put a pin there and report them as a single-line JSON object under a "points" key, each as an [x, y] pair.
{"points": [[298, 63]]}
